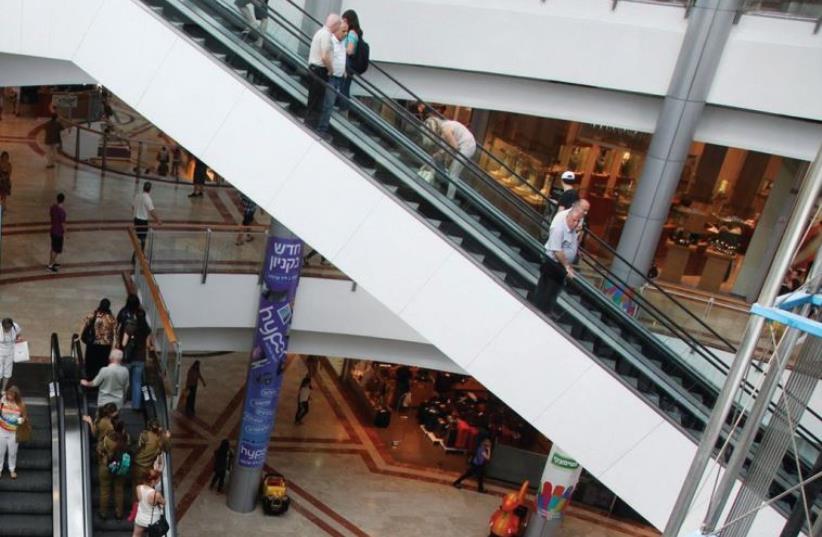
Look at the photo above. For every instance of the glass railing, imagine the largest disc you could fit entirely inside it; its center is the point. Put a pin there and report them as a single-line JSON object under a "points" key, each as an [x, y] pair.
{"points": [[103, 145], [794, 9], [166, 362], [417, 167]]}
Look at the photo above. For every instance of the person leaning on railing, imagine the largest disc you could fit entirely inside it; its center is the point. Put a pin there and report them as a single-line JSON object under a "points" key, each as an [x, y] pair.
{"points": [[151, 444], [561, 251]]}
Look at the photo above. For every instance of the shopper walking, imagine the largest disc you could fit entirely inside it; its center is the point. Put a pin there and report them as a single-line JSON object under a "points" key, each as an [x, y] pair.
{"points": [[199, 178], [57, 231], [111, 381], [193, 378], [135, 343], [163, 160], [5, 178], [176, 161], [335, 77], [352, 41], [150, 503], [9, 335], [53, 141], [320, 57], [143, 207], [13, 416], [459, 138], [113, 467], [561, 251], [249, 210], [223, 458], [97, 333], [303, 397], [153, 442], [477, 464]]}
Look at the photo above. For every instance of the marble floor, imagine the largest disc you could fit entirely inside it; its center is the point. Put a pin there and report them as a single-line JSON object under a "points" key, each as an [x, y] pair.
{"points": [[343, 478]]}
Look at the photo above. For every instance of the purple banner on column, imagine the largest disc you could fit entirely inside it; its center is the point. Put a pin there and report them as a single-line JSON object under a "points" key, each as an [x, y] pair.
{"points": [[283, 259]]}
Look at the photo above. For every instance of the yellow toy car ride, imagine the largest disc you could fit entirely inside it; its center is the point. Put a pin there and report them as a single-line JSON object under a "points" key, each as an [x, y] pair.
{"points": [[274, 495]]}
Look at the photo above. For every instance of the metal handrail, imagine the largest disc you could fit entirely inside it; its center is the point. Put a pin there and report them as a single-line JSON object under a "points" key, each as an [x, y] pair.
{"points": [[59, 505], [154, 289], [527, 211], [85, 440]]}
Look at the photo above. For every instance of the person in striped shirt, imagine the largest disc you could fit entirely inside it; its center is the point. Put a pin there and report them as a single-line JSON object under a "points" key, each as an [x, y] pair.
{"points": [[12, 416]]}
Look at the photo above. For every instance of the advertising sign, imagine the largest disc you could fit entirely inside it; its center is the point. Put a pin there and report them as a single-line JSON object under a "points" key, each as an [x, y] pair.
{"points": [[558, 481], [281, 273]]}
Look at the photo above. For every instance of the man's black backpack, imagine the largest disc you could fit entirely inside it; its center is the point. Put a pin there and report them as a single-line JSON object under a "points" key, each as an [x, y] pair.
{"points": [[358, 62]]}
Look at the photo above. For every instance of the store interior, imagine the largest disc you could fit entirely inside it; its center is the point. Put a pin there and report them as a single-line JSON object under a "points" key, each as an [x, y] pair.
{"points": [[435, 419], [729, 200]]}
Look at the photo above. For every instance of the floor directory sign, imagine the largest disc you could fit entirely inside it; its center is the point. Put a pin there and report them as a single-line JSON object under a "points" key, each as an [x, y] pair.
{"points": [[281, 273]]}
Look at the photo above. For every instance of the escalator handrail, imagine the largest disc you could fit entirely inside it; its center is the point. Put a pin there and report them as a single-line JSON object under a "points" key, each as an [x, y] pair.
{"points": [[85, 435], [58, 428], [528, 211], [664, 319], [430, 109]]}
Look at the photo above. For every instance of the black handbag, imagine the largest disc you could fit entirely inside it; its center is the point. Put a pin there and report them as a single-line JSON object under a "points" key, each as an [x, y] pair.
{"points": [[159, 528], [88, 336]]}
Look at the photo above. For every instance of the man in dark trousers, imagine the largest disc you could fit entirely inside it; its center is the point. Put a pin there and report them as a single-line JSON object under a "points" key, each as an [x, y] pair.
{"points": [[477, 464], [53, 128], [561, 251], [57, 231], [320, 57]]}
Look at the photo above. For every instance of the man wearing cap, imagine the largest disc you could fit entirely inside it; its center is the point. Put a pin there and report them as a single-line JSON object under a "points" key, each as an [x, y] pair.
{"points": [[569, 193], [561, 251]]}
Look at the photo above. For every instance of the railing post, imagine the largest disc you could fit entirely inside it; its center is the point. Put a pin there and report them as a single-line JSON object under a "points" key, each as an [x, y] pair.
{"points": [[139, 170], [150, 256], [205, 255], [77, 147], [105, 150]]}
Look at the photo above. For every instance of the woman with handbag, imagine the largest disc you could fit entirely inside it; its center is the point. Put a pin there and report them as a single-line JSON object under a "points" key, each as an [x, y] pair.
{"points": [[9, 335], [150, 507], [98, 335], [14, 428]]}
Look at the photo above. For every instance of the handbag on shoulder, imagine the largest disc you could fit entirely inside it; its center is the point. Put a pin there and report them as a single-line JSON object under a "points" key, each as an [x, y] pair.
{"points": [[160, 527], [88, 335]]}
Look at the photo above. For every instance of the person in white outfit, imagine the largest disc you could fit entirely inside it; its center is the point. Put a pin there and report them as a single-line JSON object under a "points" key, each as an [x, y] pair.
{"points": [[253, 11], [150, 503], [9, 334], [457, 136]]}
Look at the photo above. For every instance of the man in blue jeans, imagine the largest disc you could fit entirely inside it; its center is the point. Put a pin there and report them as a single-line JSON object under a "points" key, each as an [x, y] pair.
{"points": [[335, 78], [135, 341]]}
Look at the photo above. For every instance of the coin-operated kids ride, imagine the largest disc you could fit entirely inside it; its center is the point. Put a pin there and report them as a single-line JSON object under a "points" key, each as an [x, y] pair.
{"points": [[511, 518]]}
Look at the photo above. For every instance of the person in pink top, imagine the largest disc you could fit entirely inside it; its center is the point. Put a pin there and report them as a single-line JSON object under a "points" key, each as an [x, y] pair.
{"points": [[57, 231]]}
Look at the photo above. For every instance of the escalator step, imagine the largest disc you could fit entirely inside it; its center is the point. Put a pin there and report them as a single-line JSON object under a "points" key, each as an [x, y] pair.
{"points": [[456, 240], [631, 381], [25, 503], [478, 257], [413, 204], [521, 292], [29, 481], [262, 87], [611, 364], [26, 526], [432, 221], [221, 56], [33, 459]]}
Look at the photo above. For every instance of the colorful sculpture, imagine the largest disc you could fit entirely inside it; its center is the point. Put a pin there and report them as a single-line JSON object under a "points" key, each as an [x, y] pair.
{"points": [[511, 519]]}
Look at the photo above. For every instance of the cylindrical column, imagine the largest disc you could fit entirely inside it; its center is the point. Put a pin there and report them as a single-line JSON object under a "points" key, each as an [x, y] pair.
{"points": [[281, 273], [709, 24], [559, 478], [806, 200]]}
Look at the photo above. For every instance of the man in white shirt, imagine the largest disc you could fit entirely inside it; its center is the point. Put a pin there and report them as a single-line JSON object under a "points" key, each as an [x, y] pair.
{"points": [[337, 75], [561, 251], [112, 381], [584, 206], [143, 207], [320, 57]]}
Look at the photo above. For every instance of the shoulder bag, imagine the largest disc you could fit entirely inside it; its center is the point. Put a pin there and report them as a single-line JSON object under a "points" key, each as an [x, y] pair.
{"points": [[88, 334], [159, 528]]}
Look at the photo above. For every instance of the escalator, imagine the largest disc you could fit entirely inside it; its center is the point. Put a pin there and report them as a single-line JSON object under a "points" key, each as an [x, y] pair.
{"points": [[497, 231], [26, 503], [135, 423]]}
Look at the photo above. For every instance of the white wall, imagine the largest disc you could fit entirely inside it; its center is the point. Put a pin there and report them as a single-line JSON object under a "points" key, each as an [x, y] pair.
{"points": [[17, 70], [331, 317], [403, 262], [770, 65]]}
